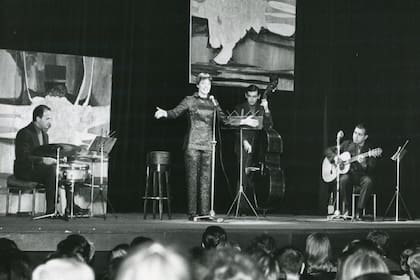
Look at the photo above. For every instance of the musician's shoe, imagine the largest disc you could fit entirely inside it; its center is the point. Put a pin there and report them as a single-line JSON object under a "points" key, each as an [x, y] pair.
{"points": [[77, 210], [66, 215], [360, 217]]}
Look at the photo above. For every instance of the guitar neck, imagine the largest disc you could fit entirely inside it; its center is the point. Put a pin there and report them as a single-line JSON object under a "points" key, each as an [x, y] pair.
{"points": [[353, 159]]}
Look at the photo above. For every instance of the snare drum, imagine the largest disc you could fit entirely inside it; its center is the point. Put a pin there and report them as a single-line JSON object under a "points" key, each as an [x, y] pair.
{"points": [[74, 171]]}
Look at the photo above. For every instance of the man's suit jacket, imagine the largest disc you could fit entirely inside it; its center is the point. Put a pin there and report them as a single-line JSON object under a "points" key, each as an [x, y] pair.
{"points": [[26, 140], [349, 146], [244, 109]]}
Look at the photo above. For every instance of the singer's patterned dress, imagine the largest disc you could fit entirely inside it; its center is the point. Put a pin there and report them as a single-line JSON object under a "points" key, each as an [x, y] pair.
{"points": [[197, 146]]}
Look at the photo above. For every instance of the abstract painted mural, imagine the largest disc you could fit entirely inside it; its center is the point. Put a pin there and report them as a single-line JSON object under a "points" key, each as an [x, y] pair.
{"points": [[76, 88], [242, 42]]}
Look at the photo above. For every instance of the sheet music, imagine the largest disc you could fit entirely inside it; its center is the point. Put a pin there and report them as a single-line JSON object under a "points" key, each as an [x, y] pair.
{"points": [[107, 144]]}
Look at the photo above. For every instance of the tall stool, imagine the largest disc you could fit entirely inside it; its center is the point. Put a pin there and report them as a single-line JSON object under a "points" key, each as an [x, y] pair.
{"points": [[157, 190], [18, 186]]}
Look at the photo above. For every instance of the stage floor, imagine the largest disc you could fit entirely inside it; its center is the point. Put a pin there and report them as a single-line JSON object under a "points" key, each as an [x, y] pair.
{"points": [[43, 235]]}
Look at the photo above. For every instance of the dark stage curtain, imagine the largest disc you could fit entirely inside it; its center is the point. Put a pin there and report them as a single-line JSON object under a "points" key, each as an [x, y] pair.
{"points": [[355, 61]]}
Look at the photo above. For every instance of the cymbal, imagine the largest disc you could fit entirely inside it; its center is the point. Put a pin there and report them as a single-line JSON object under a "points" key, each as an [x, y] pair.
{"points": [[50, 150], [90, 157]]}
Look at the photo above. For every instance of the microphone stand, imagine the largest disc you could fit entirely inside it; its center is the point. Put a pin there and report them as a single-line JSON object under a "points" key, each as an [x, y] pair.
{"points": [[337, 213], [212, 214]]}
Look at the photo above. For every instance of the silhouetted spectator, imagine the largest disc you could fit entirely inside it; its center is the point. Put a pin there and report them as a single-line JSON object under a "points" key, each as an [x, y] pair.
{"points": [[362, 262], [318, 254], [267, 263], [212, 236], [374, 276], [112, 268], [231, 264], [63, 269], [140, 241], [14, 264], [381, 239], [153, 261], [7, 244], [291, 262], [115, 258], [76, 246], [411, 248], [263, 242], [414, 266], [121, 250]]}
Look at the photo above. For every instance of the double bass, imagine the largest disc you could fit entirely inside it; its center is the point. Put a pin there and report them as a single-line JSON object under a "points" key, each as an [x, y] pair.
{"points": [[269, 176]]}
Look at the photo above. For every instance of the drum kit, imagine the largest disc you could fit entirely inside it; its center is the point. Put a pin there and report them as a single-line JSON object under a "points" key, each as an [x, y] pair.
{"points": [[73, 166]]}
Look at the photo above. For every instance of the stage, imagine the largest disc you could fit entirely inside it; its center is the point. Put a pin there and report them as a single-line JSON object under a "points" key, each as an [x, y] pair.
{"points": [[43, 235]]}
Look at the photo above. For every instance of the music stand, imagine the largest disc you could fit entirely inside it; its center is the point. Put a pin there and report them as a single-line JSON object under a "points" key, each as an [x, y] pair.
{"points": [[102, 145], [234, 122], [399, 154]]}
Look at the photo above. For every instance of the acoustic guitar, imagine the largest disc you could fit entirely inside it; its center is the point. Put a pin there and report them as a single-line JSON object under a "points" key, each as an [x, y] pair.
{"points": [[329, 170]]}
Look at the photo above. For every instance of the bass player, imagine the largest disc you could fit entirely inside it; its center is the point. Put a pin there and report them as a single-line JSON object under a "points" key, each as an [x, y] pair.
{"points": [[360, 172]]}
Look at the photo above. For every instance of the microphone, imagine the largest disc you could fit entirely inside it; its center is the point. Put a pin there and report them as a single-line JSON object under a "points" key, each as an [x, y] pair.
{"points": [[211, 97], [340, 134]]}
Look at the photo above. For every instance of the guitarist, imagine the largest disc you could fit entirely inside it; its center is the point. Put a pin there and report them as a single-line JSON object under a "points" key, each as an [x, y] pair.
{"points": [[360, 173]]}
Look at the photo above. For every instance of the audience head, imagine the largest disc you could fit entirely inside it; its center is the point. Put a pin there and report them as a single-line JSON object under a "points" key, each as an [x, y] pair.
{"points": [[318, 252], [63, 269], [231, 264], [112, 268], [212, 236], [380, 238], [140, 241], [291, 261], [362, 262], [121, 250], [153, 261], [14, 264], [374, 276], [267, 263], [413, 264], [360, 245], [7, 244], [77, 246], [264, 242], [411, 248]]}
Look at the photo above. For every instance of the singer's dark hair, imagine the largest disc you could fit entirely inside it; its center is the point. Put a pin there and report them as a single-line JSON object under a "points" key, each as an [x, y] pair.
{"points": [[362, 126], [203, 76]]}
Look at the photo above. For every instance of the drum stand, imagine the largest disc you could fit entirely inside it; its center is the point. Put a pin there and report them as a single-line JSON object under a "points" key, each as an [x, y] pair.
{"points": [[104, 199], [241, 192], [57, 171]]}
